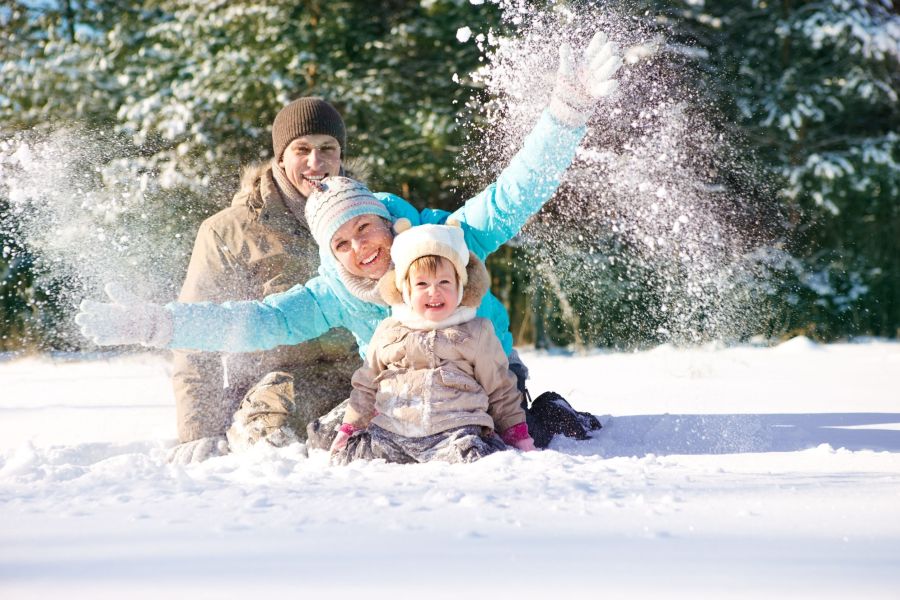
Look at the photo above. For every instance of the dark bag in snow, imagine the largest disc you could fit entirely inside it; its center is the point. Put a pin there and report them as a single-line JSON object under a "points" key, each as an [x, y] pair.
{"points": [[551, 414]]}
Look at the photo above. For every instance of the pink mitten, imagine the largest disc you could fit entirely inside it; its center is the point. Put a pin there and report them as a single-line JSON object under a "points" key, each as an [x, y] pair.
{"points": [[518, 436]]}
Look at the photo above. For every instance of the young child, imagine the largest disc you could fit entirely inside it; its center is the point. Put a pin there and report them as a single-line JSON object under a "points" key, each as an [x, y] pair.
{"points": [[436, 382]]}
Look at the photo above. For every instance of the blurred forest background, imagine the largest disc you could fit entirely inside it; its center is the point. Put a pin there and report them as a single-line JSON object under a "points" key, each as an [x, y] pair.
{"points": [[179, 94]]}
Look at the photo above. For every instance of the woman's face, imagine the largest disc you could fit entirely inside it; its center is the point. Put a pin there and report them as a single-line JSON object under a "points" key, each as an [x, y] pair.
{"points": [[363, 246]]}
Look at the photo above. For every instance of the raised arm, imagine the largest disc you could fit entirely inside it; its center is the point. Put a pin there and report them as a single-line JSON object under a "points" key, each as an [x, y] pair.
{"points": [[496, 215]]}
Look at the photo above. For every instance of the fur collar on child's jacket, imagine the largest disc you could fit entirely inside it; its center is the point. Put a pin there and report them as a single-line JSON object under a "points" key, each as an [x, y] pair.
{"points": [[473, 292]]}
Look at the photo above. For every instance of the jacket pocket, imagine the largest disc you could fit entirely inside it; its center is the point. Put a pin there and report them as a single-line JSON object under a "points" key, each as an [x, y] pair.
{"points": [[393, 349], [455, 380]]}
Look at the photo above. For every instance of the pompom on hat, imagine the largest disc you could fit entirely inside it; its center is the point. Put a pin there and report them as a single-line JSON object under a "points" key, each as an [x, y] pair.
{"points": [[336, 201], [411, 243]]}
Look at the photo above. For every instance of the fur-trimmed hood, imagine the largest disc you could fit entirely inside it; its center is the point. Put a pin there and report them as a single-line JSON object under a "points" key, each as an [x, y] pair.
{"points": [[251, 175], [473, 292]]}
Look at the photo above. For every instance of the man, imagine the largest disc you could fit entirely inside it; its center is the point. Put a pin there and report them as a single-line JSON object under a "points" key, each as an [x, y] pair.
{"points": [[260, 245]]}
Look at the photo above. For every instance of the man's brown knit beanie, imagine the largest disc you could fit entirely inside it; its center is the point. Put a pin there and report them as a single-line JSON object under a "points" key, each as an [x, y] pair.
{"points": [[307, 116]]}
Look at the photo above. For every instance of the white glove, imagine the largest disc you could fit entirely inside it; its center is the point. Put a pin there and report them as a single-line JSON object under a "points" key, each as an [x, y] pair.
{"points": [[126, 320], [581, 82], [198, 450]]}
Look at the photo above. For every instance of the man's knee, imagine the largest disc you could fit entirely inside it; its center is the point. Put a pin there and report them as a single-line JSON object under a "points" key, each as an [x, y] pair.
{"points": [[268, 411]]}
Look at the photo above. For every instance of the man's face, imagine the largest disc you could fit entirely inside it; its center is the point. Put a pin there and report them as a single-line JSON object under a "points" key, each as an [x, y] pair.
{"points": [[309, 159], [363, 246]]}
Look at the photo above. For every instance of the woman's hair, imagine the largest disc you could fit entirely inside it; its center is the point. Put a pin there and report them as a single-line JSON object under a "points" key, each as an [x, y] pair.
{"points": [[429, 264]]}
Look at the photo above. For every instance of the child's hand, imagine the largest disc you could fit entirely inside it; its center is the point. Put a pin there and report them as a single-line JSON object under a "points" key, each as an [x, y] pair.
{"points": [[517, 436], [340, 440], [526, 445]]}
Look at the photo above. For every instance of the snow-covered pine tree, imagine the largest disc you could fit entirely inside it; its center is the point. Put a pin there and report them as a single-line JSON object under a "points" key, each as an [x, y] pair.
{"points": [[207, 105], [54, 74], [171, 97], [814, 88]]}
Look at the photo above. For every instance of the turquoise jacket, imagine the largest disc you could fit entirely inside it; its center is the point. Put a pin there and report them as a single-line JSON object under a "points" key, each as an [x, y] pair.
{"points": [[306, 311]]}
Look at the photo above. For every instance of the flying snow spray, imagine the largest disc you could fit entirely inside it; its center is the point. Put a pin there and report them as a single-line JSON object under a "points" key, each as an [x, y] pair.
{"points": [[84, 215], [656, 234], [661, 230]]}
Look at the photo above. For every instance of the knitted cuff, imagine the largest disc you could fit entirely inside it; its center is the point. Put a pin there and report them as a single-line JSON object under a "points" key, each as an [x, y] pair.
{"points": [[515, 434]]}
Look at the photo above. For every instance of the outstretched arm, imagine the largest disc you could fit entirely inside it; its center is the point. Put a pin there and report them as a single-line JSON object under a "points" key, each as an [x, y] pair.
{"points": [[299, 314]]}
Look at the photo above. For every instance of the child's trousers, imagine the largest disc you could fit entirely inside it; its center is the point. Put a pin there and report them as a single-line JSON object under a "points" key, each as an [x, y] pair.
{"points": [[460, 445]]}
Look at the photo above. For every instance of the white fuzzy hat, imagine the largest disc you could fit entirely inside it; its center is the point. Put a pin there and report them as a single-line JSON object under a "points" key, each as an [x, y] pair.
{"points": [[338, 200], [411, 243]]}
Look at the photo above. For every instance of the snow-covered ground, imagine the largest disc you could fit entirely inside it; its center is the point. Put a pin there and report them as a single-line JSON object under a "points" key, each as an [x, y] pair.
{"points": [[720, 472]]}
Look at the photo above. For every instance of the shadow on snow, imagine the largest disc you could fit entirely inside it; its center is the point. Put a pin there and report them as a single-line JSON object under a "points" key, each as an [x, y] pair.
{"points": [[737, 433]]}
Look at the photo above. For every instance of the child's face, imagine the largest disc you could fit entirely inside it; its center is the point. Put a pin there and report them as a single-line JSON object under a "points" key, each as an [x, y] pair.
{"points": [[433, 295]]}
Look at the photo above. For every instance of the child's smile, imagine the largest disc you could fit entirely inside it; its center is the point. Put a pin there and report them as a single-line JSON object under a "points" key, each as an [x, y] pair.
{"points": [[433, 296]]}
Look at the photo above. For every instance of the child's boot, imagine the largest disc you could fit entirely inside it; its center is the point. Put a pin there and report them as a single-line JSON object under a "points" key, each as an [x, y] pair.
{"points": [[551, 414]]}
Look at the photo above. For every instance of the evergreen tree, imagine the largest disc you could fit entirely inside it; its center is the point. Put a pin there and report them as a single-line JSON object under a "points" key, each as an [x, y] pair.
{"points": [[206, 106], [168, 98], [53, 73], [814, 88]]}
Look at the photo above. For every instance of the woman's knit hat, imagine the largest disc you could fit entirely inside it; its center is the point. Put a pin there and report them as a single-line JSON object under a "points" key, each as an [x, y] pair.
{"points": [[338, 200], [307, 116], [411, 243]]}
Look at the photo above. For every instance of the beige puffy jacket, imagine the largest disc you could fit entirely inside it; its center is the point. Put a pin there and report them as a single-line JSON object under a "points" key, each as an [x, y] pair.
{"points": [[247, 251], [419, 382]]}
